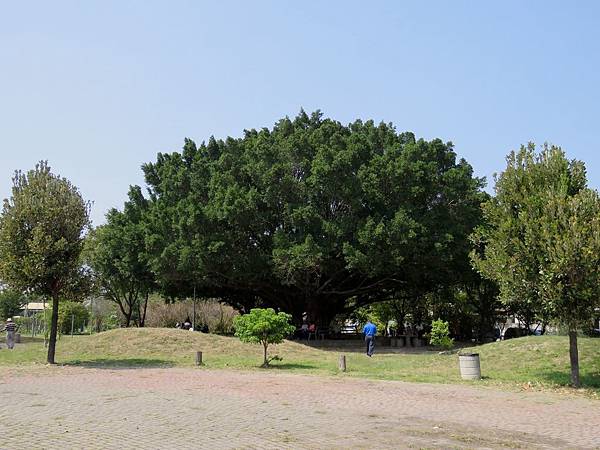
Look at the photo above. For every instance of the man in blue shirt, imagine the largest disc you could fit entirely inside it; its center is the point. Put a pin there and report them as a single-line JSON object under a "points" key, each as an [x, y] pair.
{"points": [[370, 331]]}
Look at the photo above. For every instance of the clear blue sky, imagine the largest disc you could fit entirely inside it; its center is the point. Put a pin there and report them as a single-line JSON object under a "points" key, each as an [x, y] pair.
{"points": [[98, 88]]}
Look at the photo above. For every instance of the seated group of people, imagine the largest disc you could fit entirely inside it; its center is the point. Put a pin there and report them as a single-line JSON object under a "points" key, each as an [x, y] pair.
{"points": [[187, 325], [305, 330]]}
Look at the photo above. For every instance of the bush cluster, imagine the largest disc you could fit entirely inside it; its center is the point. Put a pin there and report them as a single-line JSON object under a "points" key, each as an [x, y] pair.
{"points": [[440, 334], [217, 316]]}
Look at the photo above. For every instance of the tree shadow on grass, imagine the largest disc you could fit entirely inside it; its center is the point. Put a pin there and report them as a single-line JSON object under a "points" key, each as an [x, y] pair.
{"points": [[379, 350], [126, 363], [291, 366], [27, 340], [359, 346], [588, 380]]}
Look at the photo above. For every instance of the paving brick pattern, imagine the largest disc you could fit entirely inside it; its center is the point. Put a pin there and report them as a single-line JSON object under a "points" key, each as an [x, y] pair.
{"points": [[199, 408]]}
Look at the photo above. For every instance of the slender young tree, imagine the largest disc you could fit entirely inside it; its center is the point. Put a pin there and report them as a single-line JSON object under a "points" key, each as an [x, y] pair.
{"points": [[115, 251], [542, 240], [41, 237], [264, 326]]}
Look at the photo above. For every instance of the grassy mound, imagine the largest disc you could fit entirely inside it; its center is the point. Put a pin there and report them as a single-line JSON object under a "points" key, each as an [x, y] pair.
{"points": [[173, 347], [535, 362], [151, 347], [540, 360]]}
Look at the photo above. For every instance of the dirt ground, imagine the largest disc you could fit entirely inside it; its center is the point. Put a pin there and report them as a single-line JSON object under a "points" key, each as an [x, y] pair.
{"points": [[92, 408]]}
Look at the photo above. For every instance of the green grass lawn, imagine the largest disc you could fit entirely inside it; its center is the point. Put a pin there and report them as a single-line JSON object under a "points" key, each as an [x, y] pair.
{"points": [[535, 362]]}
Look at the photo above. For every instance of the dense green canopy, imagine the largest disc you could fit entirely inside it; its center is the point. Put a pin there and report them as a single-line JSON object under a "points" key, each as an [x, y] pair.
{"points": [[310, 214], [42, 229], [541, 240]]}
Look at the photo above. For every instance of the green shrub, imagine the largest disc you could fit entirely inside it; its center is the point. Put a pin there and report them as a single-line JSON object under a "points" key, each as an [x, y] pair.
{"points": [[69, 311], [365, 313], [104, 315], [217, 316], [11, 302], [440, 334]]}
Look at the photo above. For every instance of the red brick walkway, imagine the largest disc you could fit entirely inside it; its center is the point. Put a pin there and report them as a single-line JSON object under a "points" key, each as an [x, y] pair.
{"points": [[198, 408]]}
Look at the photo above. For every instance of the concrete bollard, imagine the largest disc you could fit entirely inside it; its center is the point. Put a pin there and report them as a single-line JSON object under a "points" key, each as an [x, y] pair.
{"points": [[198, 358], [342, 363]]}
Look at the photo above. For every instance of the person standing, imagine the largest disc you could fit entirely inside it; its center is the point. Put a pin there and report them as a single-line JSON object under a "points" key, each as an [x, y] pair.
{"points": [[304, 331], [10, 329], [370, 330]]}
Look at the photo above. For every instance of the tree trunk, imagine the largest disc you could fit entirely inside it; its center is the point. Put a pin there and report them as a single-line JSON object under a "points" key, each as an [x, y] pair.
{"points": [[122, 304], [265, 360], [574, 358], [53, 330], [143, 315], [321, 310], [400, 324]]}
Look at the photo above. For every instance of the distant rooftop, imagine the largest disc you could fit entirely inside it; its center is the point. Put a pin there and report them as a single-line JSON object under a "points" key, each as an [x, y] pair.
{"points": [[36, 306]]}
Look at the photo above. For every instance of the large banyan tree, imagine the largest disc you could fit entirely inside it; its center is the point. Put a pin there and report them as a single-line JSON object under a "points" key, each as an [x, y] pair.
{"points": [[310, 216]]}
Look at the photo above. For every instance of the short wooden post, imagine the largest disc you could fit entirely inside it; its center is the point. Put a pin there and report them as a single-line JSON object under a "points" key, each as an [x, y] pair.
{"points": [[198, 358], [342, 363]]}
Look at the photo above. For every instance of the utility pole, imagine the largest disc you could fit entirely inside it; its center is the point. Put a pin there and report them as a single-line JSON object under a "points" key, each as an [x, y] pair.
{"points": [[194, 314], [91, 322]]}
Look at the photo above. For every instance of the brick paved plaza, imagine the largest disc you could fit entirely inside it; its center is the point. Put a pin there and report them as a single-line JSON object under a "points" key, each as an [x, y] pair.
{"points": [[67, 407]]}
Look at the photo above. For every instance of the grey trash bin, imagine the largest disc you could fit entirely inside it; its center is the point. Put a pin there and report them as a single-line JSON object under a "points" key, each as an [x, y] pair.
{"points": [[469, 366]]}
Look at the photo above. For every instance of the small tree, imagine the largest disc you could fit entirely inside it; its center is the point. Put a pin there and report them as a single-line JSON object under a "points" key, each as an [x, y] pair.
{"points": [[541, 240], [440, 334], [263, 326], [41, 237]]}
